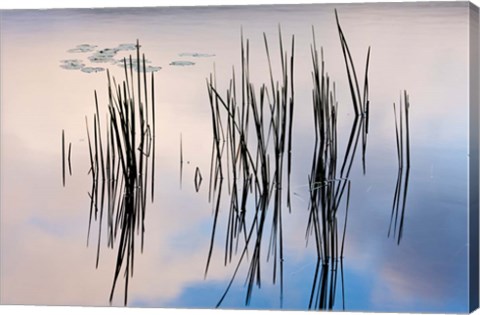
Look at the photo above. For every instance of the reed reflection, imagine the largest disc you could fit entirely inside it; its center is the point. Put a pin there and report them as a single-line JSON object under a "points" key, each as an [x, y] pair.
{"points": [[402, 133], [328, 186], [254, 163], [121, 156]]}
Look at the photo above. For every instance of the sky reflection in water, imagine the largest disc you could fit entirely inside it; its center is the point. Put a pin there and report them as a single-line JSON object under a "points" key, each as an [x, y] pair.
{"points": [[416, 47]]}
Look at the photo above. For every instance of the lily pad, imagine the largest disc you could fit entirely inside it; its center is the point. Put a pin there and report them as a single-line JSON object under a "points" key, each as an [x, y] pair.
{"points": [[92, 69], [148, 68], [152, 69], [104, 55], [196, 55], [101, 59], [72, 64], [182, 63], [134, 62], [82, 48], [127, 47], [108, 51]]}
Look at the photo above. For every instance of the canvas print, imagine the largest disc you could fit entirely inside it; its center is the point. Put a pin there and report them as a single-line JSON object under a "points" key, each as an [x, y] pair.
{"points": [[293, 157]]}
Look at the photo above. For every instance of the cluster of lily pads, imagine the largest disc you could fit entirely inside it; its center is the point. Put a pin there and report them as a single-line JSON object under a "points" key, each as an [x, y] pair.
{"points": [[76, 64], [108, 56]]}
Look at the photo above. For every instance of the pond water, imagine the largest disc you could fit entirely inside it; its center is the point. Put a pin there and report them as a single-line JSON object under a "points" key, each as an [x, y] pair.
{"points": [[418, 47]]}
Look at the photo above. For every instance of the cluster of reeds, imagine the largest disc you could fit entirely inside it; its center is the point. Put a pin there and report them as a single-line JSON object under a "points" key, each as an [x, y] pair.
{"points": [[360, 101], [119, 165], [329, 185], [324, 185], [402, 133], [252, 138]]}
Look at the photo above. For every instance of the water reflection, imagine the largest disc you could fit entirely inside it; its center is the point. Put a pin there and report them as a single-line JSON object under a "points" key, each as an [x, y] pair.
{"points": [[378, 275], [256, 161], [322, 221], [328, 186], [119, 166], [402, 132], [272, 117]]}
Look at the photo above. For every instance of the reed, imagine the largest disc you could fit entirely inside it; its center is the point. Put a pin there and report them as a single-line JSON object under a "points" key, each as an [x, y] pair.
{"points": [[119, 163], [329, 180], [402, 136], [260, 158], [360, 101], [70, 158], [325, 184]]}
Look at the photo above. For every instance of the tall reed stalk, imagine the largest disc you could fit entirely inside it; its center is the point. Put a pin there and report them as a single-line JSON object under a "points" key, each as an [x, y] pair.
{"points": [[360, 100], [402, 134]]}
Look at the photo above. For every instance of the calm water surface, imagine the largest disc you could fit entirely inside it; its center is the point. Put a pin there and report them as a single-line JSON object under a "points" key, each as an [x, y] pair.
{"points": [[422, 48]]}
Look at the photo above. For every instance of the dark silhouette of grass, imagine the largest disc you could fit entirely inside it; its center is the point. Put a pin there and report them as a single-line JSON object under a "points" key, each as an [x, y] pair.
{"points": [[254, 163], [259, 160], [402, 135], [252, 145], [360, 101], [327, 182], [119, 163], [70, 158]]}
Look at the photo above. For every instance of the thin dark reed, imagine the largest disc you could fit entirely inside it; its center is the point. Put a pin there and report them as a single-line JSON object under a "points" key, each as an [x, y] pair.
{"points": [[290, 126], [402, 136], [70, 158], [100, 166], [153, 136], [361, 102], [214, 227], [110, 179], [93, 172]]}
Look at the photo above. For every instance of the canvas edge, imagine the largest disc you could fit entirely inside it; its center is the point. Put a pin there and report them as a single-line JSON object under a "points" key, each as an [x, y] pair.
{"points": [[473, 224]]}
